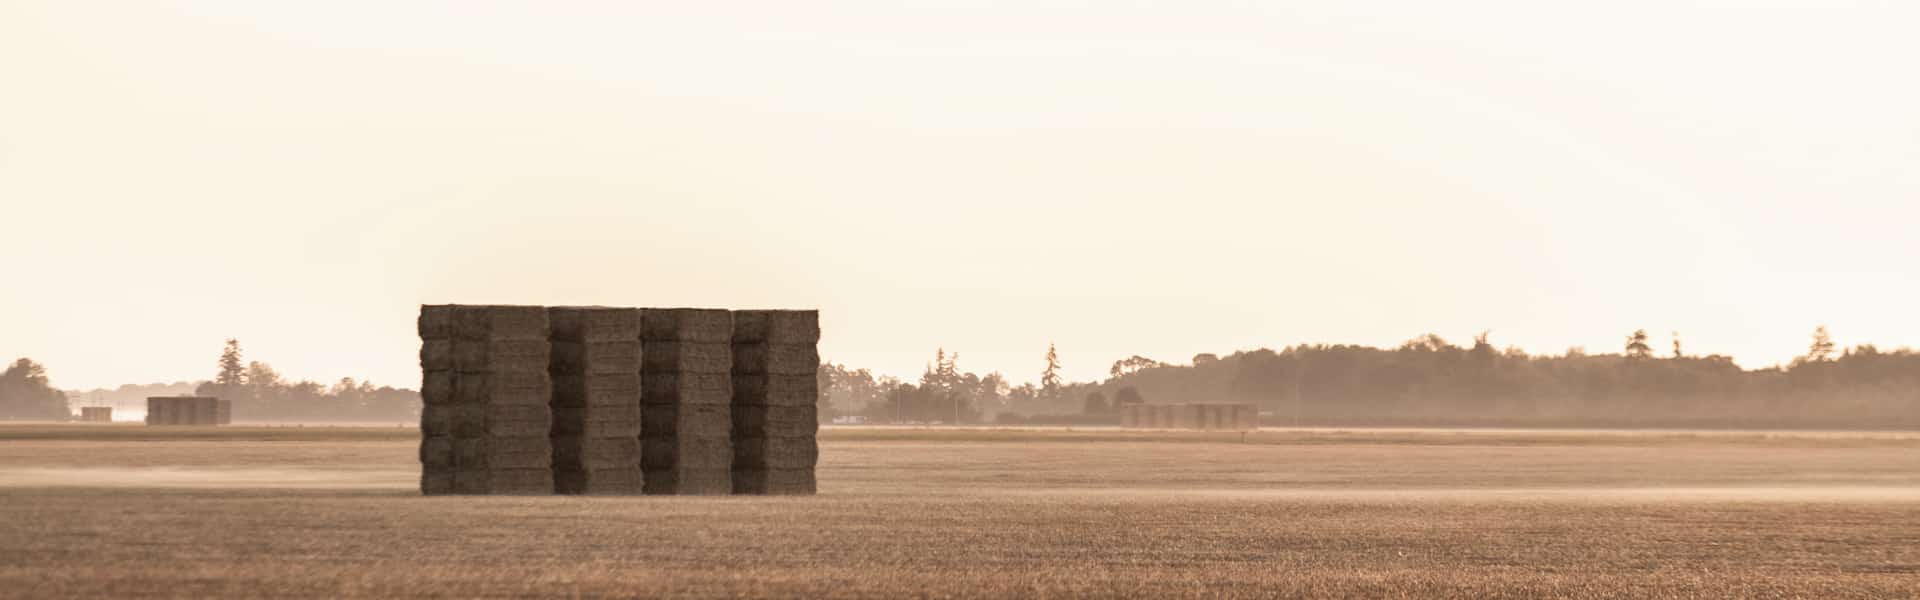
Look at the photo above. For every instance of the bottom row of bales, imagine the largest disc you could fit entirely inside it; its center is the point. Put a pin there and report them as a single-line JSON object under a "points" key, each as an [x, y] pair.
{"points": [[187, 410], [1204, 417], [618, 401]]}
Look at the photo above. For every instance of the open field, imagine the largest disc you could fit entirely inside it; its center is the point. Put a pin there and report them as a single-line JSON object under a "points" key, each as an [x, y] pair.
{"points": [[329, 512]]}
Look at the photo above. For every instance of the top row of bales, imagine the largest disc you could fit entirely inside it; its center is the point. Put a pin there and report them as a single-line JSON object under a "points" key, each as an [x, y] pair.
{"points": [[660, 401], [1204, 417]]}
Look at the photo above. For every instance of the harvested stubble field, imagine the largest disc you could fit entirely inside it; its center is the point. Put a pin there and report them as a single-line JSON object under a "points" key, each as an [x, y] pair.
{"points": [[97, 511]]}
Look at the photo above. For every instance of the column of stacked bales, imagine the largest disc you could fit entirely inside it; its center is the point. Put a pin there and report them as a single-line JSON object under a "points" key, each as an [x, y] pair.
{"points": [[776, 361], [595, 366], [486, 420], [686, 397]]}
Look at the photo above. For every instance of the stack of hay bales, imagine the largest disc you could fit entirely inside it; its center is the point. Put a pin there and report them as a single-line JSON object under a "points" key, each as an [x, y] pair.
{"points": [[1201, 416], [686, 379], [485, 424], [96, 414], [184, 410], [595, 367], [776, 363]]}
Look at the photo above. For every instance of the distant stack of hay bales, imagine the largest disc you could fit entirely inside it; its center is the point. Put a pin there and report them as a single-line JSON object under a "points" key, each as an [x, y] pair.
{"points": [[596, 400], [1200, 416], [487, 415], [776, 363], [185, 410], [686, 381], [96, 414]]}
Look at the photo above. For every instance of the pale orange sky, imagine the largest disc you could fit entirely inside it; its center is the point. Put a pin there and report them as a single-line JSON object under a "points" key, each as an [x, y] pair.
{"points": [[1120, 178]]}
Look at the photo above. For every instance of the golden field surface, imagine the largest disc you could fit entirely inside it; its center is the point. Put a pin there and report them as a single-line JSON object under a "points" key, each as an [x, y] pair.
{"points": [[132, 511]]}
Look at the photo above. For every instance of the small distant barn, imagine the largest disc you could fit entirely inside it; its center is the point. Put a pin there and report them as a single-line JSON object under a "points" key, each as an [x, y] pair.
{"points": [[188, 410], [1204, 417], [96, 414]]}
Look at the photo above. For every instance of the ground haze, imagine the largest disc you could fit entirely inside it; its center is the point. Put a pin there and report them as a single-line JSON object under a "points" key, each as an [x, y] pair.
{"points": [[127, 510]]}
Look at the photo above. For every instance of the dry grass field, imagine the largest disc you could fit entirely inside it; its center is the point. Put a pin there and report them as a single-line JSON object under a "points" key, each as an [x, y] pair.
{"points": [[129, 511]]}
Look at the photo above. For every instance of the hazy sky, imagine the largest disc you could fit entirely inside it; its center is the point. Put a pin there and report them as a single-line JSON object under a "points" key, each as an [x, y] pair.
{"points": [[1119, 177]]}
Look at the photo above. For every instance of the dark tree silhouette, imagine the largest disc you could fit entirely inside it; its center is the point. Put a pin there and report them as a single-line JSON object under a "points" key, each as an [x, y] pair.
{"points": [[26, 393], [1821, 350], [1637, 345], [1050, 378]]}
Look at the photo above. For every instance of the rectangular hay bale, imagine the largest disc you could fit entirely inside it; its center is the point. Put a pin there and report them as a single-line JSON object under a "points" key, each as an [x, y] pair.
{"points": [[687, 388], [752, 421], [613, 481], [703, 325], [776, 326], [687, 453], [594, 357], [500, 322], [688, 482], [777, 390], [593, 323], [674, 420], [495, 453], [576, 453], [686, 357], [775, 453], [780, 482], [776, 359]]}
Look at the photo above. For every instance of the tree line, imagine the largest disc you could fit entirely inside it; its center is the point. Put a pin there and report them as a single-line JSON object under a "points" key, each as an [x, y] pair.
{"points": [[259, 393], [1429, 381]]}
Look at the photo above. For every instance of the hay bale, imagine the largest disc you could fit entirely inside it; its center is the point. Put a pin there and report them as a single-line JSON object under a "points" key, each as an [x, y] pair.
{"points": [[436, 452], [776, 326], [672, 420], [435, 322], [580, 453], [436, 387], [777, 390], [598, 421], [597, 389], [688, 482], [775, 359], [788, 482], [500, 452], [436, 355], [594, 357], [775, 453], [613, 481], [535, 388], [686, 388], [439, 419], [436, 482], [699, 325], [499, 322], [754, 421], [503, 481], [501, 356], [593, 324], [223, 414], [687, 453], [686, 357]]}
